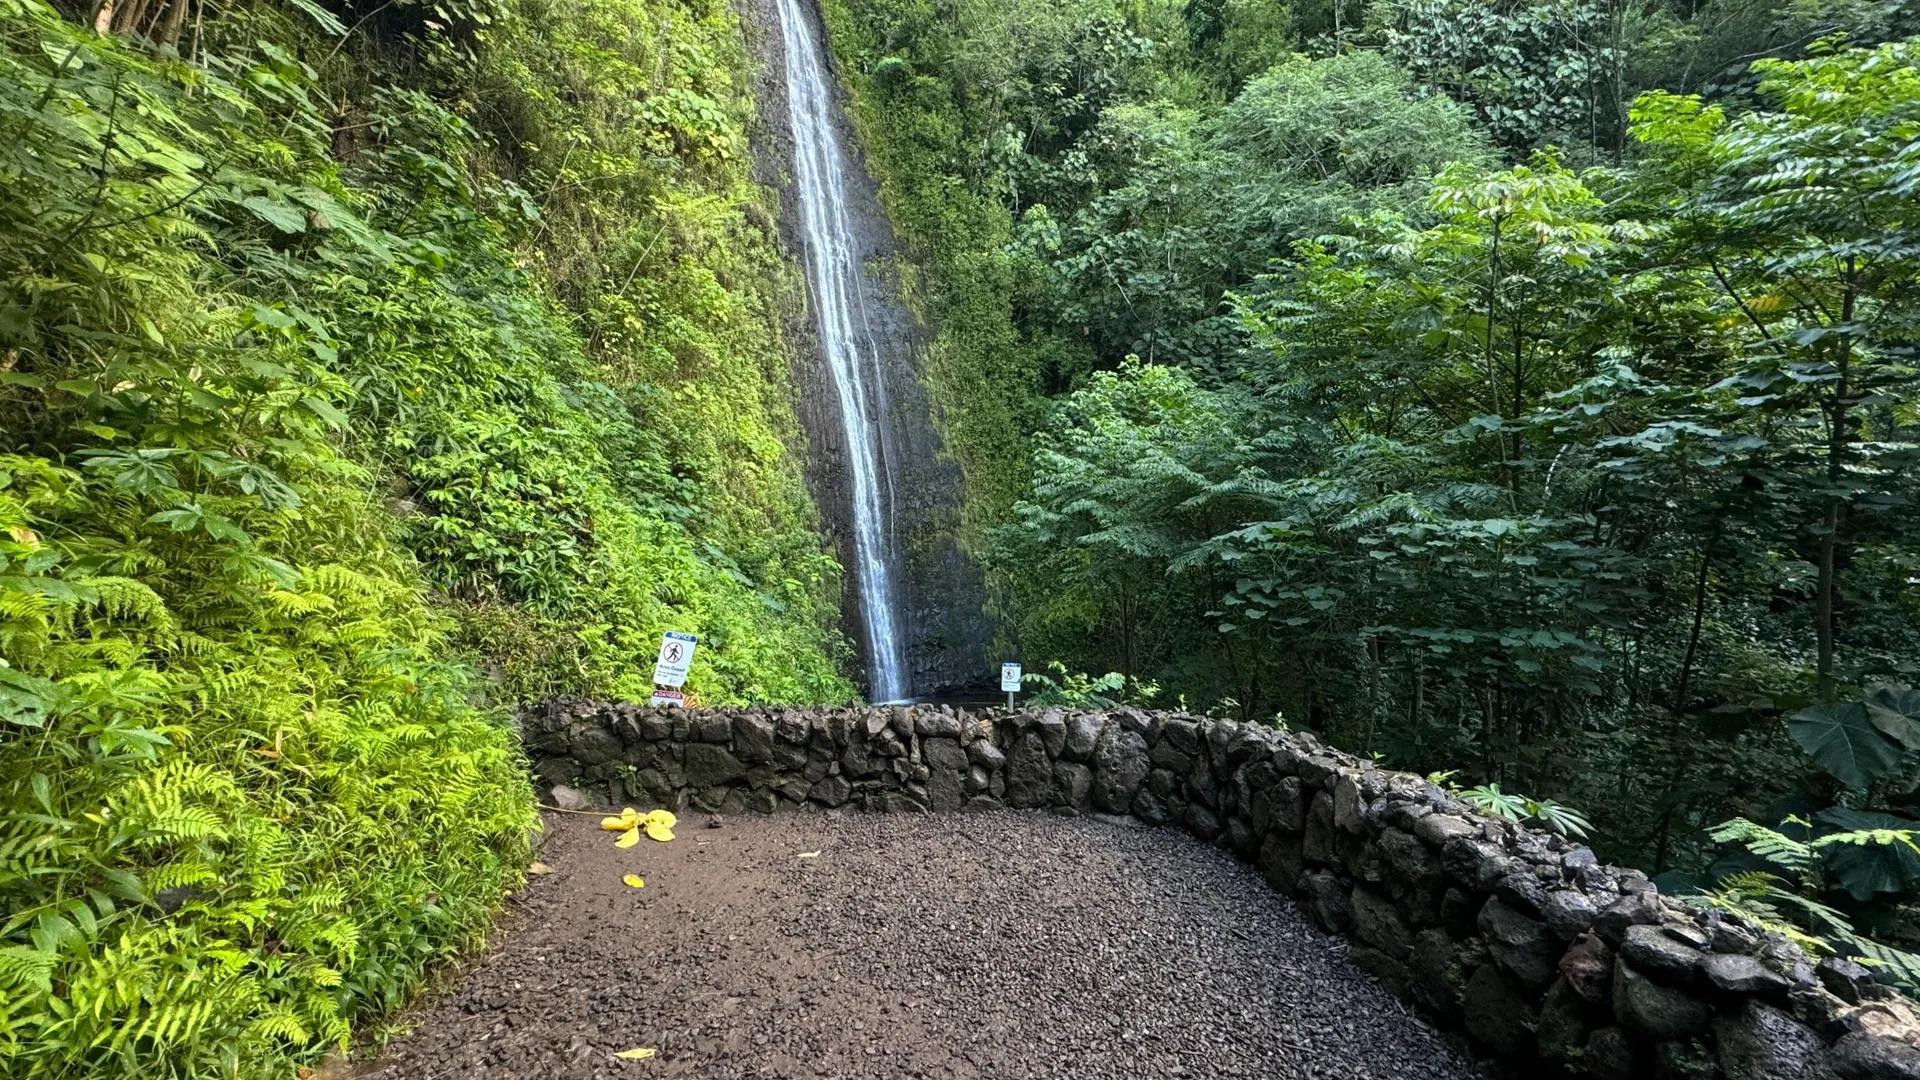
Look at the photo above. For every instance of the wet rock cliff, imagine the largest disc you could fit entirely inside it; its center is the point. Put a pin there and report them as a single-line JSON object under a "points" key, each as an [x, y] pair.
{"points": [[940, 590]]}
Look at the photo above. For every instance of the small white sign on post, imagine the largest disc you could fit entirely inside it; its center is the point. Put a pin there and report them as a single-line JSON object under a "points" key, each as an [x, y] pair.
{"points": [[676, 656], [1010, 680]]}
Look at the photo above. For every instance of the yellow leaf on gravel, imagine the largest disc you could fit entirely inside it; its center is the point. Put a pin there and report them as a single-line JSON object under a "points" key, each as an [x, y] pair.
{"points": [[628, 838], [808, 855], [635, 881], [638, 1053], [664, 817], [539, 868], [628, 819], [662, 833]]}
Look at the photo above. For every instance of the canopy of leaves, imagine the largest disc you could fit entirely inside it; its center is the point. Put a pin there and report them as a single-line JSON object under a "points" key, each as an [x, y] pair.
{"points": [[1445, 443], [1194, 203]]}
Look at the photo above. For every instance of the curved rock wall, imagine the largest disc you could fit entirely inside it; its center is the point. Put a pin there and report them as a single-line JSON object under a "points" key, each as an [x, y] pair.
{"points": [[1548, 962]]}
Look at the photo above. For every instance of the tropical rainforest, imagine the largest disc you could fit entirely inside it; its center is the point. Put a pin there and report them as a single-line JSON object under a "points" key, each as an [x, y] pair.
{"points": [[1518, 391]]}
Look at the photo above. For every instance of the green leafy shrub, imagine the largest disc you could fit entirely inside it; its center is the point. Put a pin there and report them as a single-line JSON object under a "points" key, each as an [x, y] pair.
{"points": [[243, 792], [1080, 690], [1515, 807]]}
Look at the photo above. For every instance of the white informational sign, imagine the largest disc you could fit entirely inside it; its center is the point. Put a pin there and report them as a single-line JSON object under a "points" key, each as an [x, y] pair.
{"points": [[1010, 677], [673, 698], [676, 655]]}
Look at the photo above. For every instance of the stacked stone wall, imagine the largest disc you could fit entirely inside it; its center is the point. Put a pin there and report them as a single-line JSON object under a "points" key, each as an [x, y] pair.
{"points": [[1547, 962]]}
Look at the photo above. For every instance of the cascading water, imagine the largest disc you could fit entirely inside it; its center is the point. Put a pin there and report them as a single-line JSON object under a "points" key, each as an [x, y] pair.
{"points": [[839, 304]]}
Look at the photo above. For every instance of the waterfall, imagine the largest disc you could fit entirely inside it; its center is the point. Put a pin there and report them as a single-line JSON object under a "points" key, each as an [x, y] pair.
{"points": [[839, 306]]}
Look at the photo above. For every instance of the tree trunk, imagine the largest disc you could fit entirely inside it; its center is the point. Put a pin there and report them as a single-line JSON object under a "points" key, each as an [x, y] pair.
{"points": [[1683, 690], [168, 37], [1839, 417]]}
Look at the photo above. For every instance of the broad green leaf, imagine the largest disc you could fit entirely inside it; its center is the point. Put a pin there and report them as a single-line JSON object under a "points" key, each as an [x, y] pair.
{"points": [[274, 317], [323, 18], [1895, 710], [288, 219], [1865, 870], [325, 410], [1844, 742]]}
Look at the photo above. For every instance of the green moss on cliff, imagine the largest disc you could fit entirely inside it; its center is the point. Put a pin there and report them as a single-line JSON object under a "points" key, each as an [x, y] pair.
{"points": [[934, 161]]}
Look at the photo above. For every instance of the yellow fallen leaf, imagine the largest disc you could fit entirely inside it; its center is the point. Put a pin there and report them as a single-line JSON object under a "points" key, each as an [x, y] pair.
{"points": [[638, 1053], [628, 838], [662, 833], [808, 855], [635, 881], [628, 819], [539, 868], [664, 817]]}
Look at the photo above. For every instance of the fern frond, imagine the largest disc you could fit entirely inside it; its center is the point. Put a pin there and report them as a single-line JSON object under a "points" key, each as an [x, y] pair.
{"points": [[1873, 838], [1750, 897], [1775, 847], [178, 874], [29, 968], [279, 1022], [296, 604], [126, 600], [1902, 967]]}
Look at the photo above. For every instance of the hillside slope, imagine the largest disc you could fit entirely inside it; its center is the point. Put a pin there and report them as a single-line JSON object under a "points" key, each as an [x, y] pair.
{"points": [[361, 369]]}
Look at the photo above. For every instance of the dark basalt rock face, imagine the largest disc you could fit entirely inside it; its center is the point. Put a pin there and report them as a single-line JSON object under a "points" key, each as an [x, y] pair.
{"points": [[942, 589], [1551, 964]]}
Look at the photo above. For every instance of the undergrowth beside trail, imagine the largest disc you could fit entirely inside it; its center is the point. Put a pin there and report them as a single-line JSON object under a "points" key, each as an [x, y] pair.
{"points": [[344, 355]]}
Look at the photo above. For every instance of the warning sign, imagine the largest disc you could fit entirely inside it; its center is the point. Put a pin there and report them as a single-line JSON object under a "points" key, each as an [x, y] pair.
{"points": [[676, 656], [673, 698]]}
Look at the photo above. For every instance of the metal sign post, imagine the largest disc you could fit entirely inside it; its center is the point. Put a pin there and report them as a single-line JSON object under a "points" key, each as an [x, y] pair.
{"points": [[1010, 681]]}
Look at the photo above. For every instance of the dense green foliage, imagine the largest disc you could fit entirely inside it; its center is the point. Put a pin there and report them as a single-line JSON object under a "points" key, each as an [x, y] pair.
{"points": [[1526, 388], [1519, 387], [628, 470], [333, 365]]}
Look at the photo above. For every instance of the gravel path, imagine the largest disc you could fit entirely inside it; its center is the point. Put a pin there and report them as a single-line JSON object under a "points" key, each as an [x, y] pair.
{"points": [[978, 946]]}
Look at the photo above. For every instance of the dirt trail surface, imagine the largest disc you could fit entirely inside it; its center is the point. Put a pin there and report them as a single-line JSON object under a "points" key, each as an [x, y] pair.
{"points": [[975, 946]]}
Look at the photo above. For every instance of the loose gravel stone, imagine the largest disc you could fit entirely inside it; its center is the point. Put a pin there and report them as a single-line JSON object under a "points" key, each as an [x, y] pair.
{"points": [[998, 945]]}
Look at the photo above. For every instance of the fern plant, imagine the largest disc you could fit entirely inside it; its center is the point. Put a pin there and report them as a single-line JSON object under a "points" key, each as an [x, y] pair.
{"points": [[222, 683], [1507, 806], [1785, 898]]}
